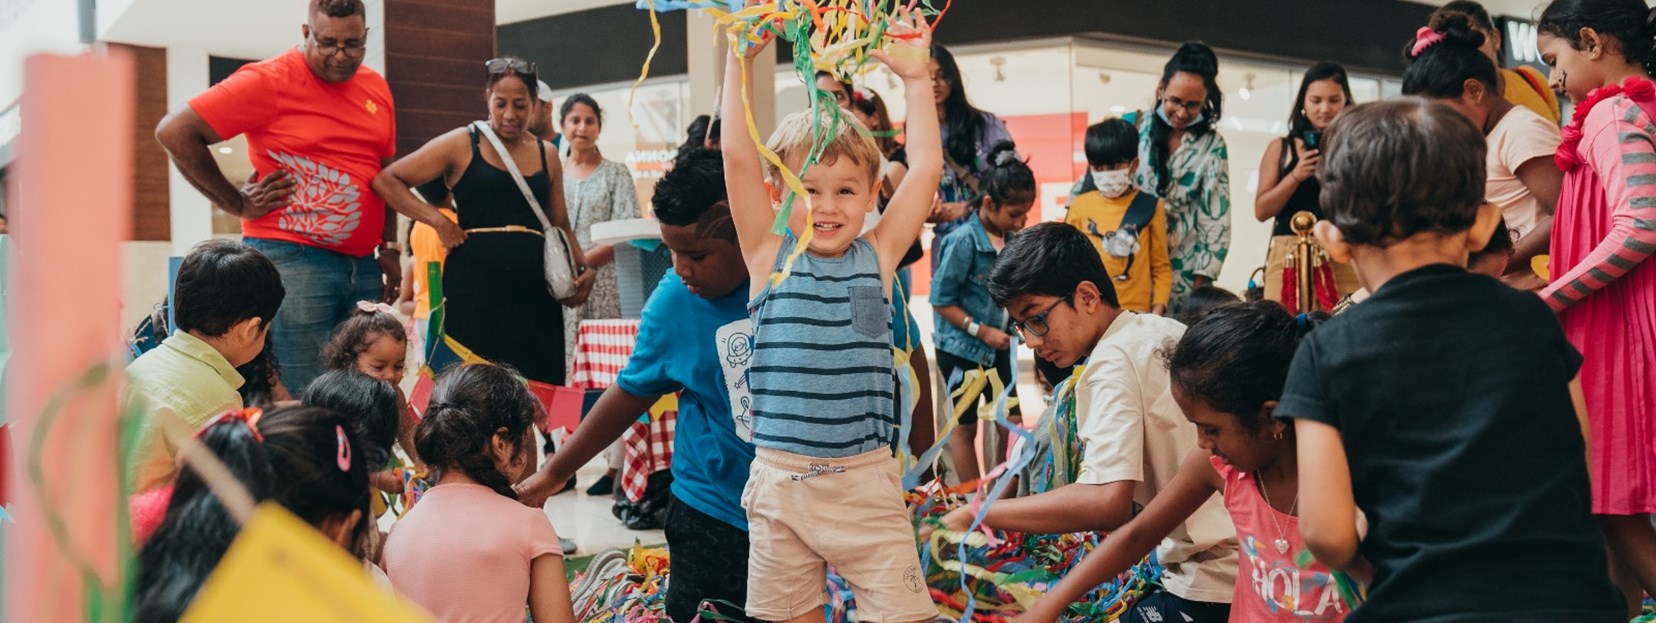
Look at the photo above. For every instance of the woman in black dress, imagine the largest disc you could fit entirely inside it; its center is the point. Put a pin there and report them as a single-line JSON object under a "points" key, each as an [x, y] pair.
{"points": [[496, 301]]}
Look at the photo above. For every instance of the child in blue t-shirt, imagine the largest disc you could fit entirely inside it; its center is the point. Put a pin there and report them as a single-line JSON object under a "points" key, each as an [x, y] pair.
{"points": [[971, 328], [694, 338]]}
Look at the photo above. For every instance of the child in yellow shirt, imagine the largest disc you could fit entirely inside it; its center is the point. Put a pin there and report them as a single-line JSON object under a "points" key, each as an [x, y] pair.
{"points": [[1126, 225]]}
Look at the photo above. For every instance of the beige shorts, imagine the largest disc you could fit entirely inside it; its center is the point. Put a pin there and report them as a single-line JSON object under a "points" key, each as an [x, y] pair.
{"points": [[805, 513]]}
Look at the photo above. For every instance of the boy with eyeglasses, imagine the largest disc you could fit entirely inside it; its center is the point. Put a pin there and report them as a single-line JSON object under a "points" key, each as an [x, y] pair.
{"points": [[1063, 303]]}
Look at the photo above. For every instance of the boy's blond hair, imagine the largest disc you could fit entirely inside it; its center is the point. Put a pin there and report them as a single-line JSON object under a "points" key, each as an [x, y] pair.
{"points": [[845, 136]]}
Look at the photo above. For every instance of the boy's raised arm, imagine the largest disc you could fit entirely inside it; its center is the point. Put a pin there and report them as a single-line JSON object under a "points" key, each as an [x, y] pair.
{"points": [[910, 205], [750, 201]]}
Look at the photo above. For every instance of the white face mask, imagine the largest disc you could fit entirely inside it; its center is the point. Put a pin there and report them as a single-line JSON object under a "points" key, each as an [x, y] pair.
{"points": [[1113, 183]]}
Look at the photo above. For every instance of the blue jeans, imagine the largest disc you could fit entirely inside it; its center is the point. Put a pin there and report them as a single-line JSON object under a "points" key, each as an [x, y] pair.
{"points": [[323, 288]]}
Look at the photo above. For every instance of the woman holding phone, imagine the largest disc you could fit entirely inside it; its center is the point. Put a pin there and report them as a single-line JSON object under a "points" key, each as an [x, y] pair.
{"points": [[1288, 172]]}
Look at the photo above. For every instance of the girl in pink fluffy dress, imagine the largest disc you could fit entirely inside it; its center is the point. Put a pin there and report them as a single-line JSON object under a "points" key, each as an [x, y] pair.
{"points": [[1604, 280]]}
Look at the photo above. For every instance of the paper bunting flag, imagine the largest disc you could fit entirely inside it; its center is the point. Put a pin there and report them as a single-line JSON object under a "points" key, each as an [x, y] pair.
{"points": [[563, 405], [279, 569]]}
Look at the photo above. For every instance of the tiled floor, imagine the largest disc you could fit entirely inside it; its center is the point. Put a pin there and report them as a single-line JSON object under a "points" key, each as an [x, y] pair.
{"points": [[587, 518]]}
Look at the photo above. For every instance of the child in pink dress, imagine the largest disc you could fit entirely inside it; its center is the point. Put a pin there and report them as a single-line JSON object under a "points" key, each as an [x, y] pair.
{"points": [[1604, 284], [470, 553], [1228, 372]]}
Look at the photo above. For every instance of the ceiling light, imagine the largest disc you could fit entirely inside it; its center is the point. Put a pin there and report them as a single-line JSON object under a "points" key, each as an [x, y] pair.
{"points": [[1247, 88], [226, 150]]}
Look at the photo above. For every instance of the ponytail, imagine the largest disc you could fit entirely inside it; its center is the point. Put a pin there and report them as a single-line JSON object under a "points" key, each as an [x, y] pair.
{"points": [[1236, 358], [470, 405], [1443, 56], [1008, 180]]}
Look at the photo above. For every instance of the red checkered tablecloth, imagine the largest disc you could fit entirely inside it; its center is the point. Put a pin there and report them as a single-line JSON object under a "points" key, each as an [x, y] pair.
{"points": [[602, 348], [601, 351]]}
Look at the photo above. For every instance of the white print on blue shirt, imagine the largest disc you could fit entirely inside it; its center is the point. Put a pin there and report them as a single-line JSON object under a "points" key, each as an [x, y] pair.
{"points": [[735, 344]]}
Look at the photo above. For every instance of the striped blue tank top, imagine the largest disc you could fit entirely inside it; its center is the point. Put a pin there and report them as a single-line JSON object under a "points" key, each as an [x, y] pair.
{"points": [[822, 371]]}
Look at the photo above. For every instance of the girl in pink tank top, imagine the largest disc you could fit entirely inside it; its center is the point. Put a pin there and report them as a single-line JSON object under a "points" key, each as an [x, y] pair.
{"points": [[1228, 372]]}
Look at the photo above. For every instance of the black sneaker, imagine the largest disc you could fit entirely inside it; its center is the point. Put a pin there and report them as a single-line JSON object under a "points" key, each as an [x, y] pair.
{"points": [[604, 486]]}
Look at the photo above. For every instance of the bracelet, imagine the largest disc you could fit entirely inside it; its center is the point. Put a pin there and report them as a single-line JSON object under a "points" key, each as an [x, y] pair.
{"points": [[972, 327]]}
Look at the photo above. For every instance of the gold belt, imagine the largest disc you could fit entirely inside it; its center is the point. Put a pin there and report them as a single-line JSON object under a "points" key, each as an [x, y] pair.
{"points": [[509, 229]]}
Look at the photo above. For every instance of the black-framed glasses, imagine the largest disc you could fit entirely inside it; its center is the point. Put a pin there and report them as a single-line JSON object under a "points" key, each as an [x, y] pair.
{"points": [[1189, 107], [1036, 325], [497, 66], [349, 47]]}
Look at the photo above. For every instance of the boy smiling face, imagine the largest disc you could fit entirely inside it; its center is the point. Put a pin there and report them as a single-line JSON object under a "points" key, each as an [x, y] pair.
{"points": [[842, 195]]}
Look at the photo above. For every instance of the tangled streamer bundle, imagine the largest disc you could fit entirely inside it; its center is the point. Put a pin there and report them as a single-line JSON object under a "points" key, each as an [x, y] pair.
{"points": [[623, 586], [1005, 572], [837, 36]]}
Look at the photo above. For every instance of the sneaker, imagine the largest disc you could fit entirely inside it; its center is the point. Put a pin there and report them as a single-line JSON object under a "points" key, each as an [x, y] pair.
{"points": [[568, 545], [604, 486]]}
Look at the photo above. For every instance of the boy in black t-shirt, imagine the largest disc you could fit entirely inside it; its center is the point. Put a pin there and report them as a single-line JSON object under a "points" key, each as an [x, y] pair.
{"points": [[1444, 406]]}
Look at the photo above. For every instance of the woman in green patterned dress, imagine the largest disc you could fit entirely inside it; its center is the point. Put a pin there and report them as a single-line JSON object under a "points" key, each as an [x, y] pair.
{"points": [[1183, 159]]}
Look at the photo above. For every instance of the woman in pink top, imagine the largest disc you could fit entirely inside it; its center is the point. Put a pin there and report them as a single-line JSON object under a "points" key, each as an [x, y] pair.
{"points": [[1604, 284], [1228, 372], [469, 552]]}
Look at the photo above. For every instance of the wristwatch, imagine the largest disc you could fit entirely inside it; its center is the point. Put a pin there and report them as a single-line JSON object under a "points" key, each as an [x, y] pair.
{"points": [[973, 326]]}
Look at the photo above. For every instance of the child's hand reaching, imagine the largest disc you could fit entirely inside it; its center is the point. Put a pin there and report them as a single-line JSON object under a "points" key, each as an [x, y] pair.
{"points": [[387, 480], [909, 53], [765, 38]]}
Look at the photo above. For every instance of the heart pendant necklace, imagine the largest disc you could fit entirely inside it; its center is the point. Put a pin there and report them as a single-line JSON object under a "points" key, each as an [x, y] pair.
{"points": [[1281, 542]]}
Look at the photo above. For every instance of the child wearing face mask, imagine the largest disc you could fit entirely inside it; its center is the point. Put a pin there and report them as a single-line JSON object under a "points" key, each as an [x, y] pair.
{"points": [[1127, 225]]}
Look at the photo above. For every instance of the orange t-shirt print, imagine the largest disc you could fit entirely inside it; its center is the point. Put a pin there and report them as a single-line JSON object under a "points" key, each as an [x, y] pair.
{"points": [[332, 138]]}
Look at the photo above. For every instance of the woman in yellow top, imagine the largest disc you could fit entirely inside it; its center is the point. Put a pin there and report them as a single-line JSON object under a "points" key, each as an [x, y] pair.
{"points": [[1523, 86]]}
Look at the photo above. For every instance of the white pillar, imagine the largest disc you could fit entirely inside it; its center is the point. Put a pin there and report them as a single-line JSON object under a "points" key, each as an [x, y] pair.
{"points": [[707, 51], [191, 212], [375, 14]]}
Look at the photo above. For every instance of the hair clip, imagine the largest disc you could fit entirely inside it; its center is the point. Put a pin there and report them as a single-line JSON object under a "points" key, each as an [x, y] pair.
{"points": [[368, 307], [1425, 38], [1006, 157], [344, 456], [862, 94], [1303, 320], [248, 417]]}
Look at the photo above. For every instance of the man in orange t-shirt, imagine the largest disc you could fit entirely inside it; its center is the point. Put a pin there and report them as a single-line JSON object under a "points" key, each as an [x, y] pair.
{"points": [[319, 127]]}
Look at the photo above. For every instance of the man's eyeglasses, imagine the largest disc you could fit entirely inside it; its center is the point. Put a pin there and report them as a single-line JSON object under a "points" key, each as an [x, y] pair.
{"points": [[349, 47], [1036, 325], [497, 66]]}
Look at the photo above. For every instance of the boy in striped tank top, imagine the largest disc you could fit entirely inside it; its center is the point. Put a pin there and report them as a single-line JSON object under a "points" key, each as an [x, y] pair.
{"points": [[825, 488]]}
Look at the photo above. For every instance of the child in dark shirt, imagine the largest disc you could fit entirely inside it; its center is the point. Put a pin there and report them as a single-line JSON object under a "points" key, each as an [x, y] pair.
{"points": [[1443, 407]]}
